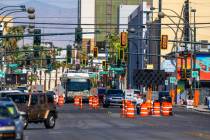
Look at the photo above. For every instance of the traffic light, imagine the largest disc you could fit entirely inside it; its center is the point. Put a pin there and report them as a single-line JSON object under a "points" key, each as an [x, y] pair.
{"points": [[69, 53], [84, 62], [78, 35], [28, 61], [95, 52], [123, 39], [188, 73], [37, 37], [121, 54], [103, 64], [106, 68], [48, 59], [36, 52], [183, 73], [164, 42]]}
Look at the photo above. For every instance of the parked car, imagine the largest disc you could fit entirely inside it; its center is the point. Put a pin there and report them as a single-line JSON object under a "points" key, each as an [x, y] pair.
{"points": [[11, 120], [4, 93], [164, 96], [101, 93], [113, 97], [22, 89], [38, 107]]}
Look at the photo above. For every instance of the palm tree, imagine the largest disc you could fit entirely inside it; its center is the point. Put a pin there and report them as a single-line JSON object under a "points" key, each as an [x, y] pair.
{"points": [[10, 43], [56, 66]]}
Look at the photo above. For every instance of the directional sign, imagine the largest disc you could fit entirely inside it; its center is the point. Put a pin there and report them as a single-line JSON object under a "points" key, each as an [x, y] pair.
{"points": [[195, 74], [166, 82], [172, 80]]}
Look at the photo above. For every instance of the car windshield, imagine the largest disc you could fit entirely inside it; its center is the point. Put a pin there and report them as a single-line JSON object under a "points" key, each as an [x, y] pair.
{"points": [[19, 98], [115, 92], [8, 111], [78, 84]]}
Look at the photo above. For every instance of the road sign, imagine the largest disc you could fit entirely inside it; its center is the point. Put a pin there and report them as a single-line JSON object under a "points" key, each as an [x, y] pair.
{"points": [[150, 66], [166, 82], [195, 74], [172, 80]]}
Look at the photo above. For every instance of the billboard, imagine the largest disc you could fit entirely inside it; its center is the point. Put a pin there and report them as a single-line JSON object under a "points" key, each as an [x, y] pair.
{"points": [[203, 63]]}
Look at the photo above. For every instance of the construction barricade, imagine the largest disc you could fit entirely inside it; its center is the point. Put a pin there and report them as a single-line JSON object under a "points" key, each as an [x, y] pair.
{"points": [[144, 111], [78, 101], [156, 109], [60, 101], [166, 109], [95, 102], [130, 110], [90, 101]]}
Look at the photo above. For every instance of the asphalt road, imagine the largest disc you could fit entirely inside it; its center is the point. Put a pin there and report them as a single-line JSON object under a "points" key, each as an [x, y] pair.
{"points": [[106, 124]]}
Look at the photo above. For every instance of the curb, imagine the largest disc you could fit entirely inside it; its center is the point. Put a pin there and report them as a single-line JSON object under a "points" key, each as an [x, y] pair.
{"points": [[195, 109]]}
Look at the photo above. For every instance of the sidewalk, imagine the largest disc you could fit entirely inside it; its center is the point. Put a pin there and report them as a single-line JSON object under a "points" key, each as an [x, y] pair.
{"points": [[200, 108]]}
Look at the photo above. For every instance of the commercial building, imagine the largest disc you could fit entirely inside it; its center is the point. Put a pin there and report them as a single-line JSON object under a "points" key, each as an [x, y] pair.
{"points": [[197, 10], [106, 17], [124, 12], [137, 46]]}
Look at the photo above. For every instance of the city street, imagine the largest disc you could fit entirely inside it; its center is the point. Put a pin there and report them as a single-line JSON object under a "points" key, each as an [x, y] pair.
{"points": [[106, 124]]}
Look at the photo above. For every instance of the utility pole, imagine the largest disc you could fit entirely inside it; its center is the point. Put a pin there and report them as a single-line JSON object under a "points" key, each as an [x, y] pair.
{"points": [[186, 29], [158, 50], [79, 14]]}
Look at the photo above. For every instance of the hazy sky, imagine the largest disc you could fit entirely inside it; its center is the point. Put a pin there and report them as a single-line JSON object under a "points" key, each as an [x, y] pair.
{"points": [[60, 3]]}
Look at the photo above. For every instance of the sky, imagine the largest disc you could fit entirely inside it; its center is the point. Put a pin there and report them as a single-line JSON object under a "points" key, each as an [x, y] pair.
{"points": [[62, 7], [60, 3]]}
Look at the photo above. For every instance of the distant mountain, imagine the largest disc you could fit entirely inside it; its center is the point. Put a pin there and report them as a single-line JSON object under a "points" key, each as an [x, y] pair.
{"points": [[56, 15]]}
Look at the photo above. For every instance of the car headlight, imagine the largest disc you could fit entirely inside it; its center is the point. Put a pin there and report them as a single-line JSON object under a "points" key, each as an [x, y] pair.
{"points": [[7, 128]]}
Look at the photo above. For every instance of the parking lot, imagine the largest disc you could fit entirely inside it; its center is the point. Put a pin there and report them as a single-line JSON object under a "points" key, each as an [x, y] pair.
{"points": [[103, 124]]}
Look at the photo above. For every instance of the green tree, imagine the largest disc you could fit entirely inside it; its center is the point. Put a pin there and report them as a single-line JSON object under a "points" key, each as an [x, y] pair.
{"points": [[10, 44]]}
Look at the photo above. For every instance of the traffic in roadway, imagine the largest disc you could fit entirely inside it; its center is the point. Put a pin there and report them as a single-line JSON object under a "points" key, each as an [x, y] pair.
{"points": [[107, 123]]}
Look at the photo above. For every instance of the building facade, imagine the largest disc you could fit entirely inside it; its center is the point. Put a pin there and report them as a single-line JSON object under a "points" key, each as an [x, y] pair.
{"points": [[137, 44]]}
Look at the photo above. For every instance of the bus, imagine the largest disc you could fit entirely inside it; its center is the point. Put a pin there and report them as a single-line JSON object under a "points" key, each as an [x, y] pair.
{"points": [[76, 84]]}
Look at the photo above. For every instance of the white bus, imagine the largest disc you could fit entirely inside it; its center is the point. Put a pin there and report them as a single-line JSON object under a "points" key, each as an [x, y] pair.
{"points": [[76, 84]]}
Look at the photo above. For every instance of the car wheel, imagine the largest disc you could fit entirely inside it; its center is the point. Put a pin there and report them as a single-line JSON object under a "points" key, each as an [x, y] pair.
{"points": [[50, 121], [25, 123], [105, 106]]}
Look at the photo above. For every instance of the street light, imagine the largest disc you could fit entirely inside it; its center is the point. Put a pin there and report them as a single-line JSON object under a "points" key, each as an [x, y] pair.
{"points": [[12, 6]]}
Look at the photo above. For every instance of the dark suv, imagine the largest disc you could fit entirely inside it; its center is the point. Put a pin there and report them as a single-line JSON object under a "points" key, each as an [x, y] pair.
{"points": [[113, 97], [39, 108]]}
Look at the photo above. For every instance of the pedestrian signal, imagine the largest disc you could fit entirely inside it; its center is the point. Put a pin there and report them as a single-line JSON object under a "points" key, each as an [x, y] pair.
{"points": [[95, 52]]}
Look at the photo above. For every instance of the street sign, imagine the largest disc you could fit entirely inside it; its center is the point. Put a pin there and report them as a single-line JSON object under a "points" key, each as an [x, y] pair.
{"points": [[172, 80], [150, 66], [166, 82], [195, 74]]}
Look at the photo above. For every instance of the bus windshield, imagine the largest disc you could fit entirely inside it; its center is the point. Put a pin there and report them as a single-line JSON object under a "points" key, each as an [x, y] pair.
{"points": [[78, 84]]}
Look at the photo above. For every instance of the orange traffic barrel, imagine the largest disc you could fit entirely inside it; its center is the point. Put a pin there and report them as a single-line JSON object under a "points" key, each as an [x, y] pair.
{"points": [[130, 110], [170, 108], [149, 107], [165, 109], [144, 110], [76, 100], [80, 102], [60, 100], [95, 102], [90, 100], [156, 109]]}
